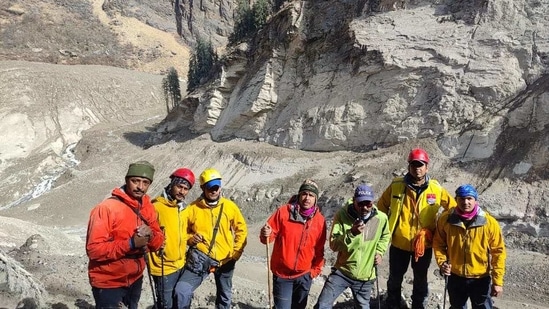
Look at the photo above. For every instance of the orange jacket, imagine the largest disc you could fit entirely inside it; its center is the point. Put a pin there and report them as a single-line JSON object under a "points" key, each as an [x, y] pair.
{"points": [[298, 244], [112, 263]]}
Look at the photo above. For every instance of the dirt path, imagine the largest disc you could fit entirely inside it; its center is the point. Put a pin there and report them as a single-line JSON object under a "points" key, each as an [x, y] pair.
{"points": [[136, 33]]}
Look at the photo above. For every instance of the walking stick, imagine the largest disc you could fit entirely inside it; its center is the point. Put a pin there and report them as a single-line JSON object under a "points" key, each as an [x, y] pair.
{"points": [[377, 284], [269, 278], [161, 294], [150, 279], [445, 289]]}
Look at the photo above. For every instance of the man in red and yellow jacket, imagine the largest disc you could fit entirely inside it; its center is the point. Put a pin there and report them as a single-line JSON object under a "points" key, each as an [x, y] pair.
{"points": [[298, 230], [120, 230], [412, 203]]}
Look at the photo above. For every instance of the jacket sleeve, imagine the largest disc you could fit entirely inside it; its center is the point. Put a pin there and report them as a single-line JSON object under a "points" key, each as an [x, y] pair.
{"points": [[240, 230], [100, 242], [385, 237], [273, 222], [440, 248], [157, 238], [497, 253], [384, 202], [318, 259], [340, 236], [446, 200]]}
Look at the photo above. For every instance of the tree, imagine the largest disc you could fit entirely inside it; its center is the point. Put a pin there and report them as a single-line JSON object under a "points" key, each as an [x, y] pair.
{"points": [[201, 65], [249, 20], [172, 92]]}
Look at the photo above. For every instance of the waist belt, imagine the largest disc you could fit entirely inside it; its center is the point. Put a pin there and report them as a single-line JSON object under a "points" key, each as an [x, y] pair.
{"points": [[134, 256]]}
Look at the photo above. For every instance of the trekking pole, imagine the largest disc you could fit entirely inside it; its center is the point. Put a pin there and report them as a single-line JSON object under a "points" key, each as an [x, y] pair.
{"points": [[377, 284], [269, 277], [161, 294], [445, 289], [150, 280]]}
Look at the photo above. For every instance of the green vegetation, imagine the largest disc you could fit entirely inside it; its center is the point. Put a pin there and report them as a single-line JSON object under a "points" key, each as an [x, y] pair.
{"points": [[172, 92], [202, 65], [249, 20]]}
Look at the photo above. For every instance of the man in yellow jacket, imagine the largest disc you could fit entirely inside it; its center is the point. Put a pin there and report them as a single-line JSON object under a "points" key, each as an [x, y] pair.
{"points": [[469, 248], [166, 265], [412, 203], [217, 235]]}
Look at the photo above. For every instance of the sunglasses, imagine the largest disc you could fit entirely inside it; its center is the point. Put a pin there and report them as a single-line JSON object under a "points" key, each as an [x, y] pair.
{"points": [[365, 204], [416, 164]]}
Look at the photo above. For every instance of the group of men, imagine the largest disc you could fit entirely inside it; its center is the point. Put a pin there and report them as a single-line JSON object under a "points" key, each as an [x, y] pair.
{"points": [[414, 218], [179, 244]]}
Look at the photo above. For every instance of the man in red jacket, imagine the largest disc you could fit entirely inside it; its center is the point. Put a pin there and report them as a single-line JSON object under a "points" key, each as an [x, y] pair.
{"points": [[298, 230], [120, 230]]}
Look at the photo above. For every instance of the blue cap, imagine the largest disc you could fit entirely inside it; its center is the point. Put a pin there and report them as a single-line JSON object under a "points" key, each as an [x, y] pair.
{"points": [[467, 190], [364, 193], [212, 183]]}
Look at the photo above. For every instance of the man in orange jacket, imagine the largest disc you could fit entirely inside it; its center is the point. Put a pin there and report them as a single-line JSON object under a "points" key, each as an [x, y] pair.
{"points": [[120, 231], [298, 230]]}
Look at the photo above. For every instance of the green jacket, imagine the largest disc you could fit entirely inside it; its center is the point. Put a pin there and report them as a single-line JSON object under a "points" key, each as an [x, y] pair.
{"points": [[356, 254]]}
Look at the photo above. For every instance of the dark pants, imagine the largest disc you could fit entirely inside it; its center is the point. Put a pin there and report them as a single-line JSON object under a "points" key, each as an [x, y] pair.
{"points": [[165, 287], [477, 289], [115, 297], [291, 293], [337, 283], [190, 281], [398, 265]]}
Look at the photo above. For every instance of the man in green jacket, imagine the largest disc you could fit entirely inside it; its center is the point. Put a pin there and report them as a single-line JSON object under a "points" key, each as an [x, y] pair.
{"points": [[360, 236]]}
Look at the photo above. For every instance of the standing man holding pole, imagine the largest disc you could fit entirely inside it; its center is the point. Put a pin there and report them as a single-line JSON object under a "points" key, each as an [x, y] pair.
{"points": [[167, 265], [120, 231], [298, 230], [470, 252], [360, 236], [412, 203]]}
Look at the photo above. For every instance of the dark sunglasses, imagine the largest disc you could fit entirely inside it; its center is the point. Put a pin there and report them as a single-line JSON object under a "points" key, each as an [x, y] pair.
{"points": [[416, 164], [365, 204]]}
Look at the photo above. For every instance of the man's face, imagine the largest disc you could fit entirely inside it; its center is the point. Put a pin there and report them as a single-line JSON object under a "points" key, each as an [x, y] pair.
{"points": [[212, 193], [307, 199], [418, 169], [466, 204], [363, 208], [136, 187], [179, 191]]}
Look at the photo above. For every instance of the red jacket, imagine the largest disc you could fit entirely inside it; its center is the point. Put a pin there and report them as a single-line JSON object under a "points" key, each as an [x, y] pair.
{"points": [[112, 223], [298, 244]]}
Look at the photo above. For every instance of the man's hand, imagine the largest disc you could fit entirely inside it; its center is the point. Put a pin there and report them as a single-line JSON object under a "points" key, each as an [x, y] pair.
{"points": [[266, 231], [140, 241], [496, 290], [358, 227], [196, 239], [446, 269], [378, 259], [143, 231]]}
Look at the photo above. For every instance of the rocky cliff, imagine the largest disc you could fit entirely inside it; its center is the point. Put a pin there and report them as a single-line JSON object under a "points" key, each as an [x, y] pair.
{"points": [[356, 75]]}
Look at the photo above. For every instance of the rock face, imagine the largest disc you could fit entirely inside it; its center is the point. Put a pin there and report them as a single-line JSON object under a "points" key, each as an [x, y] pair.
{"points": [[333, 75]]}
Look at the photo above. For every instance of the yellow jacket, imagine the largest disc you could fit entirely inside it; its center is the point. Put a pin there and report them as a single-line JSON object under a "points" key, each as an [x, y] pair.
{"points": [[231, 236], [409, 211], [474, 252], [173, 219]]}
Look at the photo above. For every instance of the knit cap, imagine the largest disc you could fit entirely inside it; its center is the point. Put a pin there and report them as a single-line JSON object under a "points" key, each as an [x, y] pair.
{"points": [[309, 185], [141, 169]]}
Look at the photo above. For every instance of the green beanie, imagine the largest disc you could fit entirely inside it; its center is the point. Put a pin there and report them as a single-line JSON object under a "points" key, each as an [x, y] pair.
{"points": [[141, 169], [309, 185]]}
